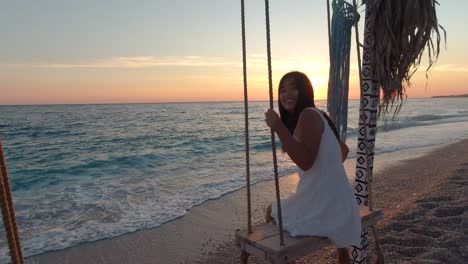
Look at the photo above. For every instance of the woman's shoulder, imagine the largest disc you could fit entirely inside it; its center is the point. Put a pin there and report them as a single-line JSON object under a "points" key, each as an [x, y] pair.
{"points": [[311, 111], [310, 114], [309, 123]]}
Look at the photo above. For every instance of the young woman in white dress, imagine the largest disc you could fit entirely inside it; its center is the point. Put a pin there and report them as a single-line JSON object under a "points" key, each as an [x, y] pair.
{"points": [[323, 203]]}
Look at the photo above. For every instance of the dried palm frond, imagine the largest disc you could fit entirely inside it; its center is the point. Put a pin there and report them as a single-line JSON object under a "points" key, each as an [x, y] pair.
{"points": [[402, 30]]}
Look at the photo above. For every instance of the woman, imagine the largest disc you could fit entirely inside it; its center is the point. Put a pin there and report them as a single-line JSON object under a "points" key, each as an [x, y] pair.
{"points": [[323, 204]]}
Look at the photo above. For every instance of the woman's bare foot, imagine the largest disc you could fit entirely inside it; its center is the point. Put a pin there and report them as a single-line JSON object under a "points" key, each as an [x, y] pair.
{"points": [[268, 217]]}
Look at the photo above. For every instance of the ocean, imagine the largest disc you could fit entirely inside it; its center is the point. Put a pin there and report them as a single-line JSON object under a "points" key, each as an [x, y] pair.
{"points": [[81, 173]]}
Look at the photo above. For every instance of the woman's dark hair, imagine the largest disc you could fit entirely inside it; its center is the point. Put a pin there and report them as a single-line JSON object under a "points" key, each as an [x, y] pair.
{"points": [[305, 99]]}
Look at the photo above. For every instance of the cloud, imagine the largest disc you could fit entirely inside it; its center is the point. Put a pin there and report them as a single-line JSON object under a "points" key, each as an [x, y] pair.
{"points": [[133, 62], [255, 61], [450, 68]]}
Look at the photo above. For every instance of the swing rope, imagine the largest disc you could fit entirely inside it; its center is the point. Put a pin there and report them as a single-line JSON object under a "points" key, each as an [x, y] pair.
{"points": [[273, 144], [330, 80], [8, 213], [246, 115]]}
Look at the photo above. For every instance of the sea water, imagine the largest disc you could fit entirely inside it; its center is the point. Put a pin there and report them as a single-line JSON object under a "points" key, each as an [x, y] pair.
{"points": [[80, 173]]}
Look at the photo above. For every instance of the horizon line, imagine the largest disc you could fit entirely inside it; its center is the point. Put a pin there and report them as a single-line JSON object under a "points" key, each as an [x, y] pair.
{"points": [[169, 102]]}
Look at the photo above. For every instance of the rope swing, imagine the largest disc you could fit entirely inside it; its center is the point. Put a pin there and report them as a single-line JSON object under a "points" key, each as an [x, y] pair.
{"points": [[268, 241], [246, 115], [273, 142], [8, 213]]}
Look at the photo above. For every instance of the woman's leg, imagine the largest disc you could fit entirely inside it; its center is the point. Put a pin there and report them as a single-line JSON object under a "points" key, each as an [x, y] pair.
{"points": [[343, 256]]}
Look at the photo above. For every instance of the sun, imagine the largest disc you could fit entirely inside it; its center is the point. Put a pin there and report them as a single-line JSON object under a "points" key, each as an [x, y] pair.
{"points": [[320, 84]]}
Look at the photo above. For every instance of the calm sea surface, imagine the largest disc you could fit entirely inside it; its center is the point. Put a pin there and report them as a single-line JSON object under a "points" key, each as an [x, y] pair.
{"points": [[85, 172]]}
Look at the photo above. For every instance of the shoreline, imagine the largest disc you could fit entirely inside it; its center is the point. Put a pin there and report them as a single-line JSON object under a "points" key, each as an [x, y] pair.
{"points": [[213, 210], [206, 232]]}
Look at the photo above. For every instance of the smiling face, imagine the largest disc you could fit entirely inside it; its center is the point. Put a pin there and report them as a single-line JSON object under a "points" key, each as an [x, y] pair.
{"points": [[289, 94]]}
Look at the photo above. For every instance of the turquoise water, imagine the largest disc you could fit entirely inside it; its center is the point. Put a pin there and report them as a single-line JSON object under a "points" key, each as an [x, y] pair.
{"points": [[85, 172]]}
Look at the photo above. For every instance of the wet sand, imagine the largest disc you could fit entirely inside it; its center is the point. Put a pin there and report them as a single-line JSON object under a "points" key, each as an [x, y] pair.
{"points": [[424, 201]]}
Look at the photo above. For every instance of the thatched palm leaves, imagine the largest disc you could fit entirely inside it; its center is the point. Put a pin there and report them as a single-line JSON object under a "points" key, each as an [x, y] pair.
{"points": [[402, 30]]}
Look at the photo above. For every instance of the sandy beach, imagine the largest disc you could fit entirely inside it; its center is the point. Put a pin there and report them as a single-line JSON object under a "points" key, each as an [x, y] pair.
{"points": [[424, 201], [126, 130]]}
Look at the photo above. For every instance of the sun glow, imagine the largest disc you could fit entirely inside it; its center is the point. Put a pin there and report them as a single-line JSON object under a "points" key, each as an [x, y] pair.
{"points": [[320, 84]]}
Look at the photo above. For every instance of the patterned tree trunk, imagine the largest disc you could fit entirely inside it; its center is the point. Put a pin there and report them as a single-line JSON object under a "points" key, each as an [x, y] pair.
{"points": [[367, 123]]}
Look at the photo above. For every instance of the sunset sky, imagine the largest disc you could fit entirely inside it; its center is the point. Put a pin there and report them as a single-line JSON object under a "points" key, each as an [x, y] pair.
{"points": [[159, 50]]}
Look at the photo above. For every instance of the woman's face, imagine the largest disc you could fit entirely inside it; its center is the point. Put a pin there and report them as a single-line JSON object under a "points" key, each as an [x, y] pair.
{"points": [[288, 94]]}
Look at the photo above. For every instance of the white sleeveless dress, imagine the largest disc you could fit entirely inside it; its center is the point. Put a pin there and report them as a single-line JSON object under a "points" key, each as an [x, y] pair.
{"points": [[323, 204]]}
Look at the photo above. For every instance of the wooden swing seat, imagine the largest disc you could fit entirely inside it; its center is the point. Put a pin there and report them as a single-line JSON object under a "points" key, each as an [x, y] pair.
{"points": [[264, 241]]}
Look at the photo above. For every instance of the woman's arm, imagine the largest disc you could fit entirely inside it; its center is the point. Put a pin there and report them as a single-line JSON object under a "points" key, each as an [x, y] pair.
{"points": [[303, 147]]}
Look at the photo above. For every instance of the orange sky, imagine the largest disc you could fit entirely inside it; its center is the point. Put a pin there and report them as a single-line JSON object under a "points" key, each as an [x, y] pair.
{"points": [[39, 85], [75, 56]]}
